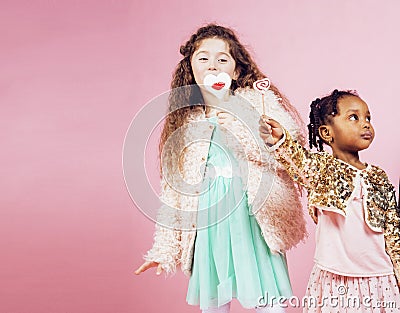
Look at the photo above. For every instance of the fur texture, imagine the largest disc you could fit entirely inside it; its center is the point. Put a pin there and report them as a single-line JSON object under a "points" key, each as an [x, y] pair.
{"points": [[272, 195]]}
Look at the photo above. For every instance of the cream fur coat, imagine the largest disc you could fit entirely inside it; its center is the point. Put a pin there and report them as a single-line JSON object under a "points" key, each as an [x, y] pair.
{"points": [[272, 196]]}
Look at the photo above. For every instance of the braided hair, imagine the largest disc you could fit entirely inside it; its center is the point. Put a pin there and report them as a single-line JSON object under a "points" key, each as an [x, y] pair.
{"points": [[322, 110]]}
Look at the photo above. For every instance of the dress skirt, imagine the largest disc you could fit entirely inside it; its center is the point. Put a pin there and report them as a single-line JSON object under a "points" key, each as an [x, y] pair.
{"points": [[328, 292], [231, 258]]}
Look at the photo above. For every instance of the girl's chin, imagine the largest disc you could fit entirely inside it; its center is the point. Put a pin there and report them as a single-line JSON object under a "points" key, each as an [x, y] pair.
{"points": [[364, 146]]}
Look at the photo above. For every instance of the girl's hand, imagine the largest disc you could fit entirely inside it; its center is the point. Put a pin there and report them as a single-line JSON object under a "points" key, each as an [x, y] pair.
{"points": [[225, 119], [270, 130], [146, 265]]}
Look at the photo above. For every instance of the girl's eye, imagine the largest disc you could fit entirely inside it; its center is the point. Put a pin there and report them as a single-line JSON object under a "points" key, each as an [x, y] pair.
{"points": [[223, 60], [353, 117], [203, 59], [368, 118]]}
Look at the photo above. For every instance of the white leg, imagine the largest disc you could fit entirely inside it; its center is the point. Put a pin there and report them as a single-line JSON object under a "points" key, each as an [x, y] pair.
{"points": [[222, 309]]}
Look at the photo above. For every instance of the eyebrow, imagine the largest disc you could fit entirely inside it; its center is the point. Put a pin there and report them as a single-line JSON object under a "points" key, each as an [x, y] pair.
{"points": [[221, 52], [356, 110]]}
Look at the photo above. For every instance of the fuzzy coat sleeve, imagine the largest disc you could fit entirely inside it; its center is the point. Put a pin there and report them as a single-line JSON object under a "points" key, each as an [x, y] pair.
{"points": [[166, 247], [174, 223]]}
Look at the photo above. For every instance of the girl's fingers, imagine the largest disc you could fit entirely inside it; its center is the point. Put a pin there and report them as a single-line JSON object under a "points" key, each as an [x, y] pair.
{"points": [[268, 139], [265, 129], [159, 269], [265, 136], [273, 123], [141, 269], [264, 119], [145, 266], [270, 126]]}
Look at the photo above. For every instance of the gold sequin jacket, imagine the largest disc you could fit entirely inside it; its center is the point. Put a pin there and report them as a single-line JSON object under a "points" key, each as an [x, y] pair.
{"points": [[330, 182], [272, 195]]}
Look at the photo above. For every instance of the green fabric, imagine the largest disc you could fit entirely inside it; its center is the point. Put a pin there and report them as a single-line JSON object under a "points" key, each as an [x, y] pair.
{"points": [[231, 258]]}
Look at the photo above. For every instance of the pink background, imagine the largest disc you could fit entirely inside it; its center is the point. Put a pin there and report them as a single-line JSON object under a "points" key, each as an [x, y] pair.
{"points": [[73, 74]]}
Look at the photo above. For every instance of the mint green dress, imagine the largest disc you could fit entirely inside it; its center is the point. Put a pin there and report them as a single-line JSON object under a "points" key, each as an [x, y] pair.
{"points": [[231, 258]]}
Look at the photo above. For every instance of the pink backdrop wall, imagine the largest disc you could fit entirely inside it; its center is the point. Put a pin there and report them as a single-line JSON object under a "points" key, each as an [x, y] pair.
{"points": [[73, 74]]}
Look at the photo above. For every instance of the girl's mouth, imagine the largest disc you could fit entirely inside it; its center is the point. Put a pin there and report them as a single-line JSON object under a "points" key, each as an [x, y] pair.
{"points": [[218, 86], [367, 135]]}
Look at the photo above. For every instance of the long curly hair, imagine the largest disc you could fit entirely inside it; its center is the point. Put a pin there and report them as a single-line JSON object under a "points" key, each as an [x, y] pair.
{"points": [[183, 101]]}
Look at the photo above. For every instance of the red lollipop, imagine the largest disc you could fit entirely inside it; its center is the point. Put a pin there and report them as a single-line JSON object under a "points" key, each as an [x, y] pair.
{"points": [[262, 85]]}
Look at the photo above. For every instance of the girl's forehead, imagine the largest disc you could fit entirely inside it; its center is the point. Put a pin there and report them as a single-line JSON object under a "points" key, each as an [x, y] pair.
{"points": [[213, 45], [351, 103]]}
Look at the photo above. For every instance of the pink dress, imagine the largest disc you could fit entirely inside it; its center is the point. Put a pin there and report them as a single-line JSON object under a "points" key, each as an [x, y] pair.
{"points": [[352, 271]]}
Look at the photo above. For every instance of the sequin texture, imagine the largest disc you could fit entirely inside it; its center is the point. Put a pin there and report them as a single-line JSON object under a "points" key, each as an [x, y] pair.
{"points": [[330, 183]]}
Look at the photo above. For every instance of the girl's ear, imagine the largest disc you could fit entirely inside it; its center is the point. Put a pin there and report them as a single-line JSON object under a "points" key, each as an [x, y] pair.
{"points": [[325, 132]]}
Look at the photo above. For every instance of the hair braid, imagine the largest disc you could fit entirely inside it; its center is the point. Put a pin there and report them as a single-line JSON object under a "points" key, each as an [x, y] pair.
{"points": [[322, 110]]}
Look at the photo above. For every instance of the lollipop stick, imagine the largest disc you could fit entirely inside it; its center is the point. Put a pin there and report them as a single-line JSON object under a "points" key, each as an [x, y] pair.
{"points": [[262, 86], [263, 103]]}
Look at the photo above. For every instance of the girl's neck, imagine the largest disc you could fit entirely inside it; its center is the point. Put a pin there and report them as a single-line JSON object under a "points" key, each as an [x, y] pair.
{"points": [[212, 100], [351, 158]]}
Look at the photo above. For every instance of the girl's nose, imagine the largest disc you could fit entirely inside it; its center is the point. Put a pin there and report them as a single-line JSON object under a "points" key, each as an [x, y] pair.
{"points": [[213, 65]]}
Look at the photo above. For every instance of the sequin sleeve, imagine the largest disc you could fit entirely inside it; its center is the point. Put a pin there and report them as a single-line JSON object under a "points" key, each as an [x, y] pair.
{"points": [[392, 232], [302, 165]]}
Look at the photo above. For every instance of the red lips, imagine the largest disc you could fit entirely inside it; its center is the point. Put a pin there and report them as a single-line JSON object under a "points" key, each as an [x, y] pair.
{"points": [[218, 86]]}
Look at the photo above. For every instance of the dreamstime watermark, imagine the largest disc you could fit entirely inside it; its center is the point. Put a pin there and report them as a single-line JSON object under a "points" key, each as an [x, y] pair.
{"points": [[341, 300]]}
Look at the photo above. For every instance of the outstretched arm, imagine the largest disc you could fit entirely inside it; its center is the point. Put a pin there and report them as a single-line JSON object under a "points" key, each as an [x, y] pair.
{"points": [[165, 252], [302, 165]]}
